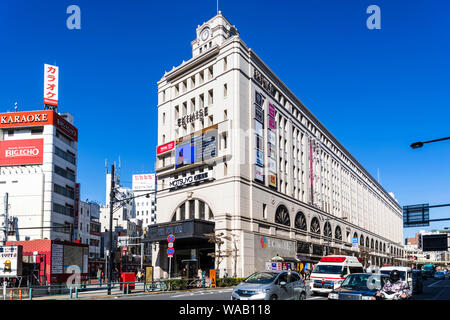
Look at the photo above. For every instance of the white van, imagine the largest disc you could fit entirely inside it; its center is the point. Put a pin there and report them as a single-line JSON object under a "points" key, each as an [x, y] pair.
{"points": [[331, 271], [405, 273]]}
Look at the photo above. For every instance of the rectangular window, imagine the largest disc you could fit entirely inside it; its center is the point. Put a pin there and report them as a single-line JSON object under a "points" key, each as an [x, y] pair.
{"points": [[225, 90], [67, 192], [264, 211], [37, 131], [68, 156], [65, 173], [66, 210]]}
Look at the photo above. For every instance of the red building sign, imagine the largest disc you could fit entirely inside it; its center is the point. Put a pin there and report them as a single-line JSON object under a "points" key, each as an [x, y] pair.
{"points": [[19, 152]]}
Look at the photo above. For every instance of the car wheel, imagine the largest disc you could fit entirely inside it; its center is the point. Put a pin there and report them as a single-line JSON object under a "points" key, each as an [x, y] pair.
{"points": [[302, 296], [273, 297]]}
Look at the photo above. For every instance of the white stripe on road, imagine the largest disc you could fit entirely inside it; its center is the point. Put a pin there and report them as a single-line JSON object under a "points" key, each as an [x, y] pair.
{"points": [[434, 283], [313, 298]]}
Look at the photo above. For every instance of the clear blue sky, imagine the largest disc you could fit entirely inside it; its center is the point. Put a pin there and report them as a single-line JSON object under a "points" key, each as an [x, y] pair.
{"points": [[377, 91]]}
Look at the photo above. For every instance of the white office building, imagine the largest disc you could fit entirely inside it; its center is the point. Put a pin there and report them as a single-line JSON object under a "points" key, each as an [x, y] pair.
{"points": [[38, 168], [240, 155], [143, 186]]}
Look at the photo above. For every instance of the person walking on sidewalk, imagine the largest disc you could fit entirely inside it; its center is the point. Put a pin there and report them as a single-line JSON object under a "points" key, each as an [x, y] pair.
{"points": [[99, 275]]}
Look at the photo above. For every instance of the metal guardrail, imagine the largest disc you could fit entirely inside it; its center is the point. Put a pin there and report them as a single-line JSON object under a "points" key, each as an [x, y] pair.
{"points": [[117, 288]]}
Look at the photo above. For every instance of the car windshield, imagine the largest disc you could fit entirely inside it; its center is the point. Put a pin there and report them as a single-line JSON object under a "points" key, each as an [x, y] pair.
{"points": [[261, 277], [325, 268], [388, 272], [363, 282]]}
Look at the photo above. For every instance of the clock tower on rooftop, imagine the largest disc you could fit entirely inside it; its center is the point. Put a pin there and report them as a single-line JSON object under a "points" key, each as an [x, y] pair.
{"points": [[211, 33]]}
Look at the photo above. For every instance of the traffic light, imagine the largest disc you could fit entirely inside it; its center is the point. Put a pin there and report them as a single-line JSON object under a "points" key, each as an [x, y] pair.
{"points": [[419, 242]]}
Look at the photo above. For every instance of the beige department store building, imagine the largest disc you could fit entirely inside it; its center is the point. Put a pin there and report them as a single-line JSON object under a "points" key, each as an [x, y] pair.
{"points": [[240, 155]]}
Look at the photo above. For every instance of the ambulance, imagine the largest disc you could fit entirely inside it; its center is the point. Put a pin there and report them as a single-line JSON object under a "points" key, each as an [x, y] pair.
{"points": [[329, 273]]}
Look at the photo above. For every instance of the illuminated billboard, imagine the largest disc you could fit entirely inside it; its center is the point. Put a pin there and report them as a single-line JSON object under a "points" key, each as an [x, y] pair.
{"points": [[196, 147]]}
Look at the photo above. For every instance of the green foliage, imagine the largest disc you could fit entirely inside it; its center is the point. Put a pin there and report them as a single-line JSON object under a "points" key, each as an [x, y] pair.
{"points": [[176, 284], [228, 282]]}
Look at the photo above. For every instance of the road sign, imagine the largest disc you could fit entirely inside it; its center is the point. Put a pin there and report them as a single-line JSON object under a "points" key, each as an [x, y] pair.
{"points": [[416, 215], [170, 251], [170, 244], [170, 238]]}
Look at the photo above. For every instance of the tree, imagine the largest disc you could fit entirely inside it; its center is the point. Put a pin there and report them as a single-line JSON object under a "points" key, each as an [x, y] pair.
{"points": [[219, 254]]}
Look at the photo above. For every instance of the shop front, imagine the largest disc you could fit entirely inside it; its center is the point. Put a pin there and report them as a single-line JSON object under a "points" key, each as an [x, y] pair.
{"points": [[192, 250]]}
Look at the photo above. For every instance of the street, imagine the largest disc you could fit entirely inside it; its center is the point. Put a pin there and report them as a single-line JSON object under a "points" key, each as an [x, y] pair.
{"points": [[432, 290]]}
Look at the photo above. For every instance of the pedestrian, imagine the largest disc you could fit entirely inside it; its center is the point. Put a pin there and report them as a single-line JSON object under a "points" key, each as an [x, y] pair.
{"points": [[225, 274], [99, 275], [138, 275], [115, 275]]}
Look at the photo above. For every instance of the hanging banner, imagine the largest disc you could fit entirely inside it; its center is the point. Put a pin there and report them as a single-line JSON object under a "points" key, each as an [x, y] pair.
{"points": [[51, 75]]}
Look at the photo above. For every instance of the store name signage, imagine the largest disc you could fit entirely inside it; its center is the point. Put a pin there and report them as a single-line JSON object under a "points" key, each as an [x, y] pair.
{"points": [[165, 148], [65, 126], [200, 177], [24, 118], [267, 242], [200, 114], [264, 82]]}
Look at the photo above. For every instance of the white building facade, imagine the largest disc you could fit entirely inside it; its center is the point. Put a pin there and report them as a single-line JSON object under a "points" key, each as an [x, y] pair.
{"points": [[238, 153], [143, 186], [38, 167]]}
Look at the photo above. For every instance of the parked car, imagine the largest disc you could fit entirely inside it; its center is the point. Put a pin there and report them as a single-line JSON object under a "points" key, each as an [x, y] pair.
{"points": [[439, 275], [359, 286], [271, 285], [447, 274], [417, 281]]}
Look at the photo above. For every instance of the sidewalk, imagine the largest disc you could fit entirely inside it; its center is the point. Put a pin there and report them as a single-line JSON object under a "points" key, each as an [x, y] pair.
{"points": [[116, 293]]}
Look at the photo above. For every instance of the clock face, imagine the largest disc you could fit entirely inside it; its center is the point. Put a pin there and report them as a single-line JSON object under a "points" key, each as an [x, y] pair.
{"points": [[205, 34]]}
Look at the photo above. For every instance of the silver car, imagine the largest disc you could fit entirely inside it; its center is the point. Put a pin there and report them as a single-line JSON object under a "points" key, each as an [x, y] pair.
{"points": [[271, 285]]}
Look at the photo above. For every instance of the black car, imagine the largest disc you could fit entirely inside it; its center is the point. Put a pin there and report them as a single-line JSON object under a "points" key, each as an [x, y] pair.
{"points": [[359, 286]]}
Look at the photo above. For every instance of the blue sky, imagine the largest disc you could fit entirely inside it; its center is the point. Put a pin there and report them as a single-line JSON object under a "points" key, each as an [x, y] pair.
{"points": [[377, 91]]}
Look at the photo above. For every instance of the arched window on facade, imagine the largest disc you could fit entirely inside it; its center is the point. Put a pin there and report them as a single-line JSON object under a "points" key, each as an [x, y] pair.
{"points": [[300, 221], [282, 216]]}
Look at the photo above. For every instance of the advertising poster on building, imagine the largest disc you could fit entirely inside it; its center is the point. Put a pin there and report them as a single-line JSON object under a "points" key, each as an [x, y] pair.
{"points": [[10, 261], [272, 165], [272, 124], [51, 78], [197, 147], [143, 182], [259, 128], [259, 158], [57, 258], [21, 152], [272, 180], [259, 173]]}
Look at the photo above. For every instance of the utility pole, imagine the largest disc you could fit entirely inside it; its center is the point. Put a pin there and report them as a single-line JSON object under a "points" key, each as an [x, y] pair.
{"points": [[6, 220], [111, 205]]}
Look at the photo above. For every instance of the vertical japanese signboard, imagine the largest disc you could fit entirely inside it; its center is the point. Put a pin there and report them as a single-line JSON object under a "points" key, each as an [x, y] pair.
{"points": [[259, 137], [271, 145], [51, 77]]}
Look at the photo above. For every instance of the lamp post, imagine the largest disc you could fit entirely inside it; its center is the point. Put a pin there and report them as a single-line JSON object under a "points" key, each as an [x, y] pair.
{"points": [[327, 223], [419, 144]]}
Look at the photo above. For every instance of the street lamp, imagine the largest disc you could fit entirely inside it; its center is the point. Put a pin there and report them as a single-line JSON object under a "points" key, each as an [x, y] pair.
{"points": [[419, 144], [328, 238]]}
